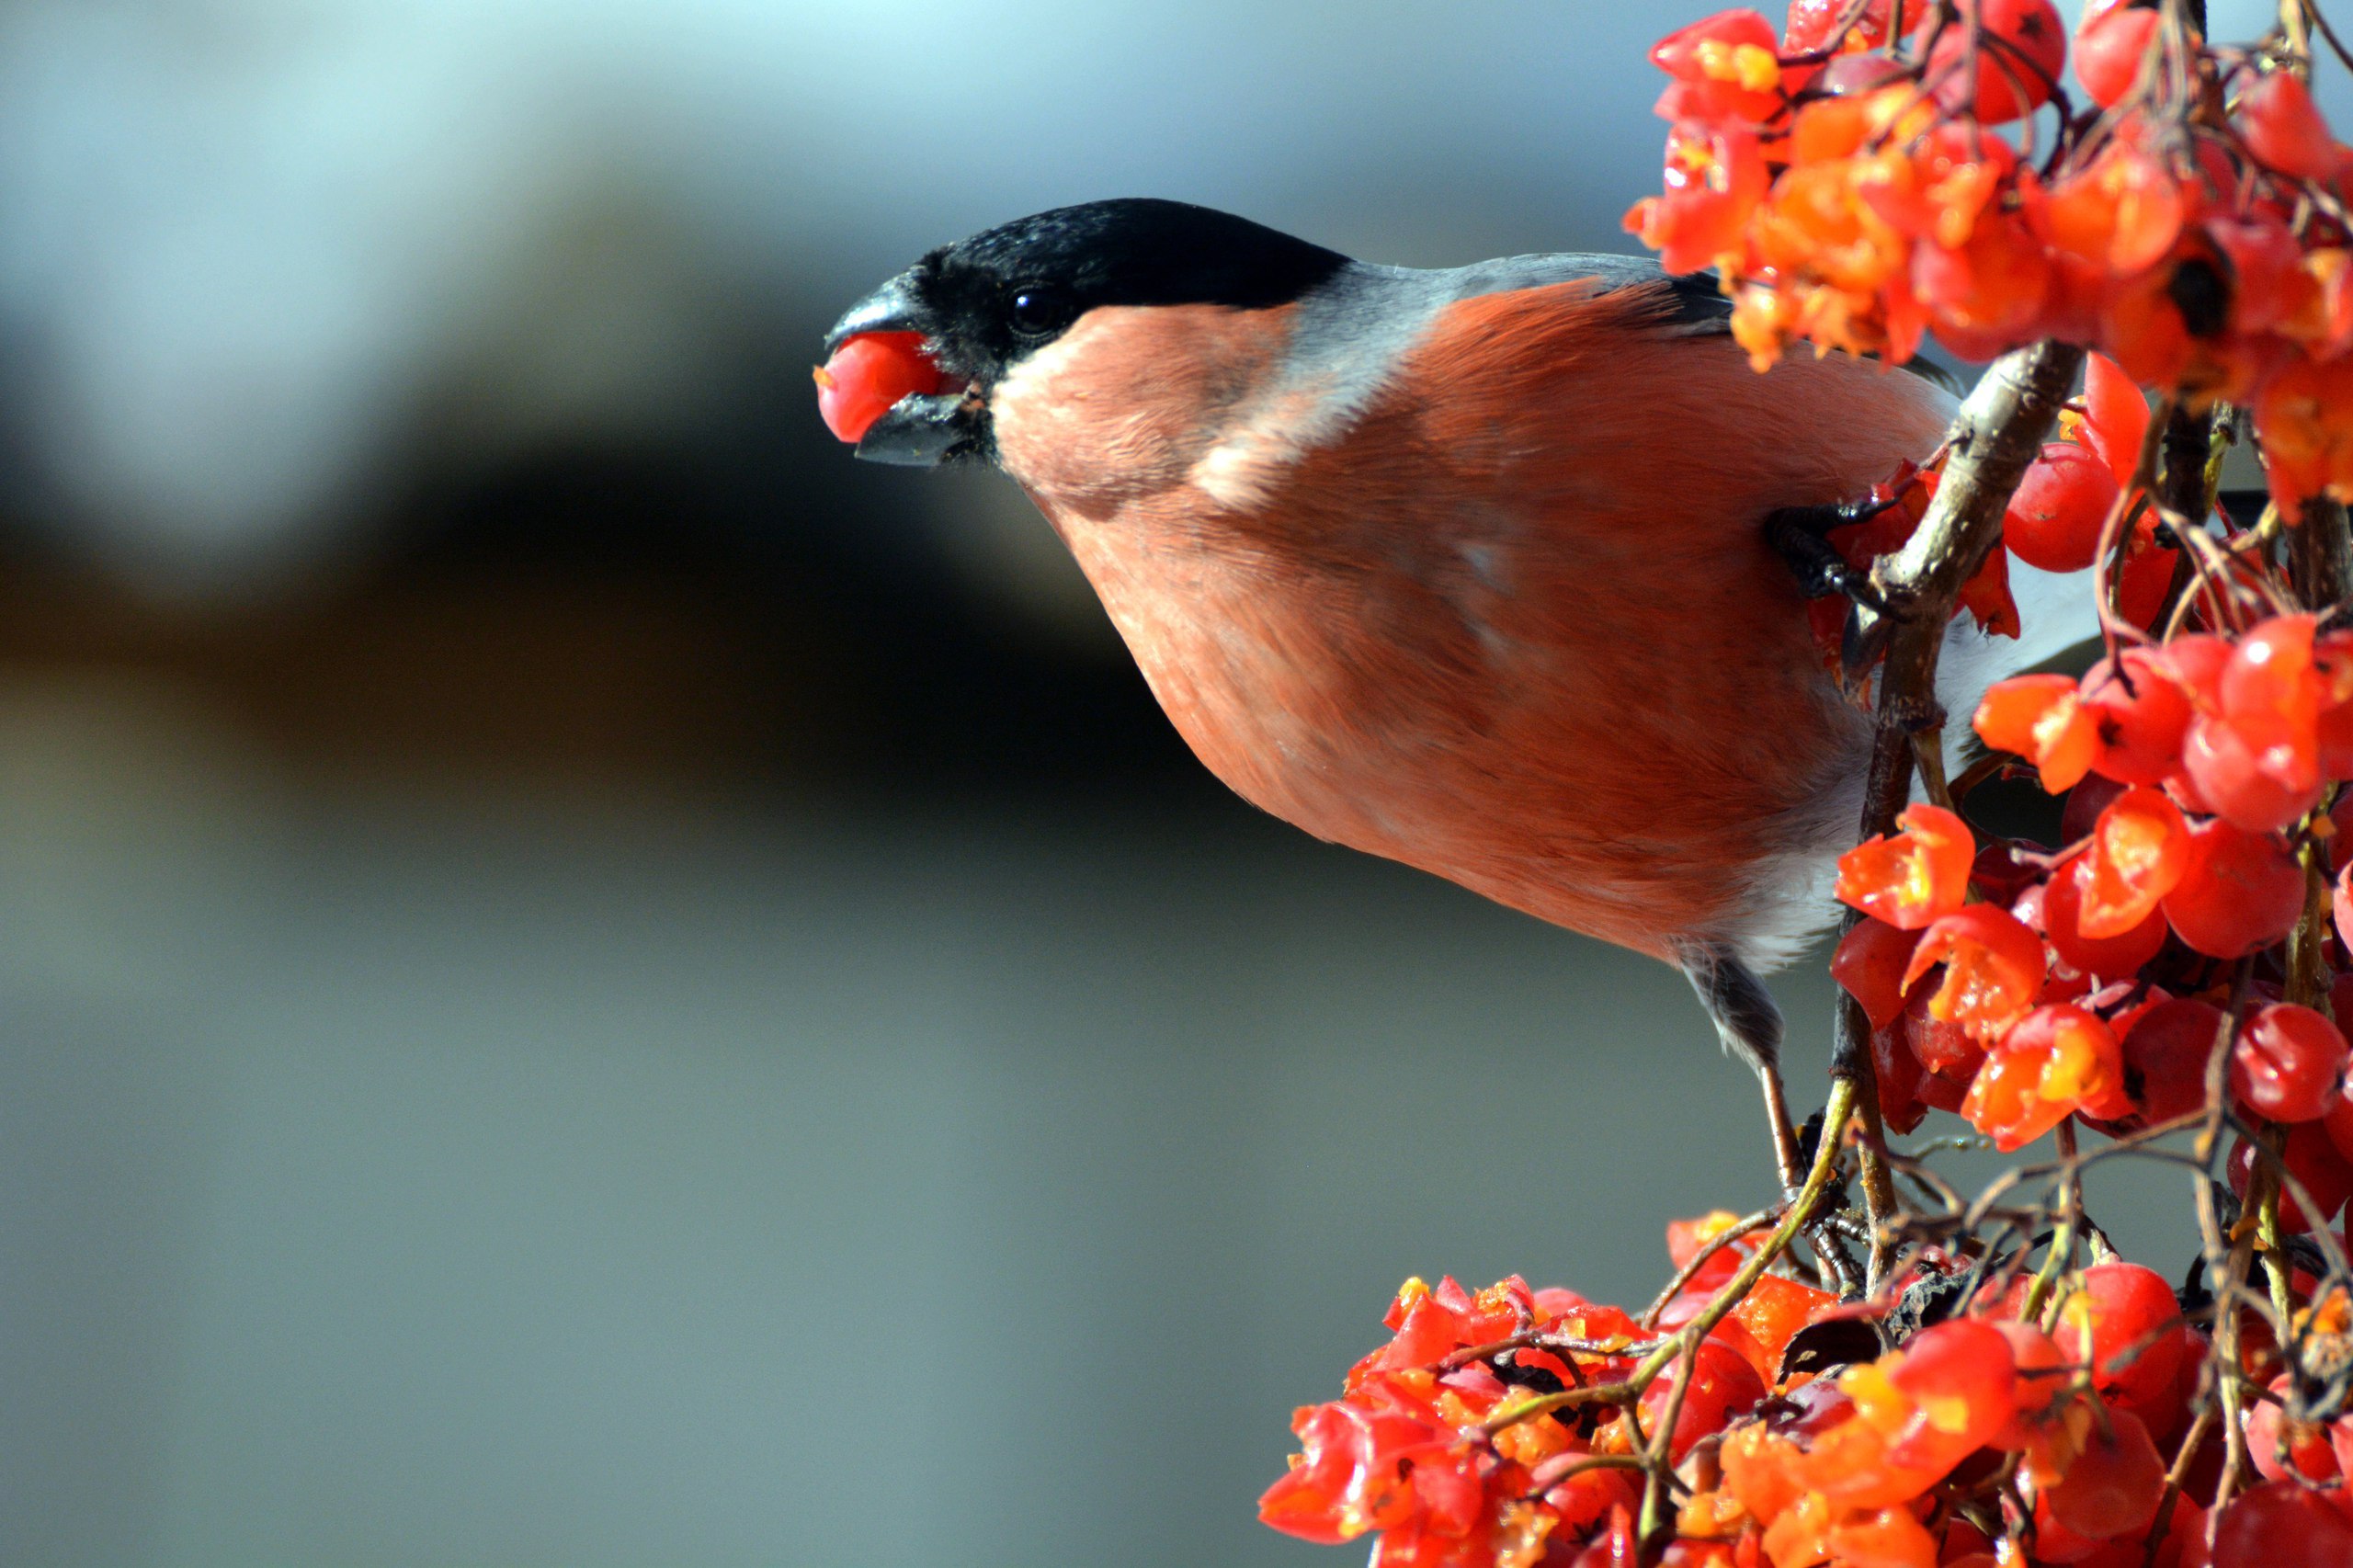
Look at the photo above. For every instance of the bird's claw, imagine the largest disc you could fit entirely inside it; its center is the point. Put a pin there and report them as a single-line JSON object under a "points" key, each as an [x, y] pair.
{"points": [[1801, 536], [1863, 640]]}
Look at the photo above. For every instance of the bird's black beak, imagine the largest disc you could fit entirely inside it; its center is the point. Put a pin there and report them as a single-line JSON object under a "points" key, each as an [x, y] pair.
{"points": [[895, 307], [919, 431]]}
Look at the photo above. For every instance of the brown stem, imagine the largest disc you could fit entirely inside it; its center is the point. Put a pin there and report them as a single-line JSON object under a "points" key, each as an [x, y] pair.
{"points": [[2308, 939], [1850, 1059], [1736, 1231], [1658, 1456], [2263, 1200], [2184, 1457], [1836, 1116], [2320, 568], [1998, 432], [2061, 1255], [2185, 447], [2320, 555], [2226, 1268]]}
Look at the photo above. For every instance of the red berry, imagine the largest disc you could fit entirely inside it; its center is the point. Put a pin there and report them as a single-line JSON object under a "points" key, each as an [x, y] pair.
{"points": [[2241, 891], [1715, 175], [1993, 968], [2282, 1525], [2283, 128], [2114, 1486], [2061, 1547], [1890, 1536], [1964, 1369], [2166, 1053], [2109, 958], [2267, 283], [1849, 75], [867, 375], [1684, 1238], [1913, 878], [1725, 67], [2333, 672], [2281, 1447], [2079, 816], [2139, 852], [2146, 579], [2196, 661], [1723, 1385], [2024, 47], [2121, 214], [2287, 1064], [2312, 1160], [1901, 1076], [2116, 414], [2042, 719], [2272, 672], [2051, 1062], [1946, 1049], [1989, 293], [2110, 47], [2341, 904], [1770, 1316], [2337, 1120], [2044, 1370], [2002, 872], [2140, 714], [2125, 1309], [2247, 772], [2061, 505], [1870, 963], [1813, 22], [2334, 732], [2253, 753]]}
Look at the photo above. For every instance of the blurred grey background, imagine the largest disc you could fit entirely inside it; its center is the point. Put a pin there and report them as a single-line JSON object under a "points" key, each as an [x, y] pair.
{"points": [[583, 980]]}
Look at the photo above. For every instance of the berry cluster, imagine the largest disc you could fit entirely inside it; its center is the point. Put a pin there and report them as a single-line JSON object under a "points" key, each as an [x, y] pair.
{"points": [[1844, 178], [1988, 1411], [1995, 1388], [2057, 521], [2194, 774]]}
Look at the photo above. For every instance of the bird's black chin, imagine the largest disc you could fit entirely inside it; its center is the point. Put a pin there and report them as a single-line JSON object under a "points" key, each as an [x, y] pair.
{"points": [[925, 432]]}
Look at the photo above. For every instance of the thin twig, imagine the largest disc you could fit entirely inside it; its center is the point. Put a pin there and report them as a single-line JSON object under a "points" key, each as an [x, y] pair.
{"points": [[1836, 1116], [1998, 433], [1736, 1231]]}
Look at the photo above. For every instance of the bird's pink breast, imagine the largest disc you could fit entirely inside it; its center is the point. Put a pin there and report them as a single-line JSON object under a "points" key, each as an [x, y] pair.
{"points": [[1518, 627]]}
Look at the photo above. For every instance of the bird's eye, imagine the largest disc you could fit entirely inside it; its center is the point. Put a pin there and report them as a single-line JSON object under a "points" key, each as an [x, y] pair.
{"points": [[1040, 308]]}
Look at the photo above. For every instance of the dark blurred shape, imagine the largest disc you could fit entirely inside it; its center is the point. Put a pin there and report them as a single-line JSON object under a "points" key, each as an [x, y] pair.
{"points": [[649, 615]]}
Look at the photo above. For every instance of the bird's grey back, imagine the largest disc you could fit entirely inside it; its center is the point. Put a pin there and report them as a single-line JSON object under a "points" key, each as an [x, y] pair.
{"points": [[1352, 329]]}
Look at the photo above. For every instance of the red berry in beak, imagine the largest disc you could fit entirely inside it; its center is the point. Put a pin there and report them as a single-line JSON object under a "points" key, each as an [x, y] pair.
{"points": [[868, 374]]}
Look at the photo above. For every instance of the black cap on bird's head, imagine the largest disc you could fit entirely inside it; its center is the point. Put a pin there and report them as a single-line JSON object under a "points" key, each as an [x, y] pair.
{"points": [[983, 304]]}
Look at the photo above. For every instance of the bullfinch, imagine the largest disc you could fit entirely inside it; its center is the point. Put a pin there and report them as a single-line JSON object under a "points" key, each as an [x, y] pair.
{"points": [[1466, 568]]}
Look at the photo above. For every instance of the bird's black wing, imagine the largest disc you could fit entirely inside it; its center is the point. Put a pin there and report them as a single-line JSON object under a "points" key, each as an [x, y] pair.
{"points": [[1691, 301]]}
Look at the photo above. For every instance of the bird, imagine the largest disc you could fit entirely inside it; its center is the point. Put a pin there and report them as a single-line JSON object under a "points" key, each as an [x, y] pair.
{"points": [[1468, 568]]}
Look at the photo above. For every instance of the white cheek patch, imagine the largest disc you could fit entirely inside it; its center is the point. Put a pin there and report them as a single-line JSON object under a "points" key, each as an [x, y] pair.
{"points": [[1273, 433], [1238, 472], [1228, 425]]}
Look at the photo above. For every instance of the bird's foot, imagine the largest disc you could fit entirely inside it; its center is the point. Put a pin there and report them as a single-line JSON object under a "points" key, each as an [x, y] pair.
{"points": [[1801, 536], [1834, 1222], [1749, 1027]]}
